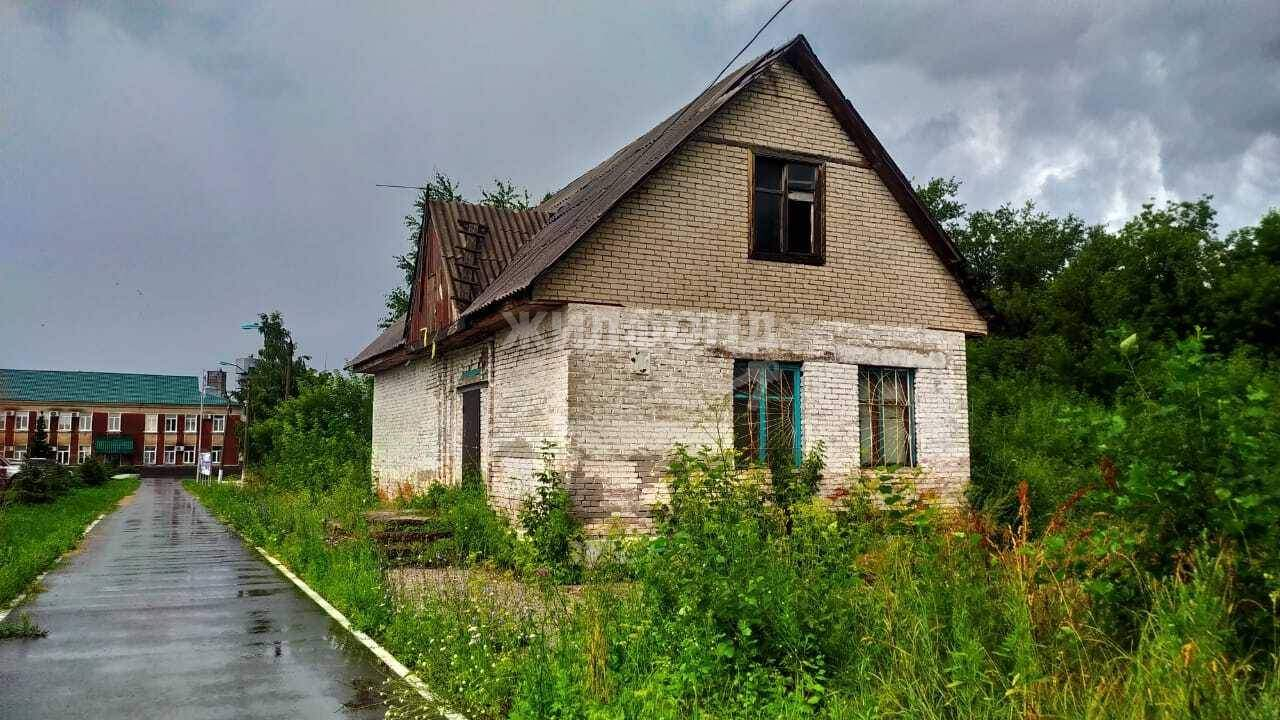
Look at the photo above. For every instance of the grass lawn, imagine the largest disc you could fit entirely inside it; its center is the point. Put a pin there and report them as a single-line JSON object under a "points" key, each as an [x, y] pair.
{"points": [[33, 536]]}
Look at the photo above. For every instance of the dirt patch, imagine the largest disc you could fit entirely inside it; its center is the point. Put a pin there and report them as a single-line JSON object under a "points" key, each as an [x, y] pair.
{"points": [[417, 586]]}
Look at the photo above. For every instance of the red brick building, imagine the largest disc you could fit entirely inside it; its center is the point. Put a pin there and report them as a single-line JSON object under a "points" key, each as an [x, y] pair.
{"points": [[144, 420]]}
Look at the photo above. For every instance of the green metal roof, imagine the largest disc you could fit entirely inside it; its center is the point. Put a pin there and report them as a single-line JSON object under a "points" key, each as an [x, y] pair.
{"points": [[73, 386]]}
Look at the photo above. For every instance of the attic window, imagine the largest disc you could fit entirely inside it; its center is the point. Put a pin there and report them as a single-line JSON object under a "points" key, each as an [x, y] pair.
{"points": [[786, 222]]}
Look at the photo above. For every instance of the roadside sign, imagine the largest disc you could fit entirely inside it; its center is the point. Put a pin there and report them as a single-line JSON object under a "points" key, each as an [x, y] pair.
{"points": [[206, 463]]}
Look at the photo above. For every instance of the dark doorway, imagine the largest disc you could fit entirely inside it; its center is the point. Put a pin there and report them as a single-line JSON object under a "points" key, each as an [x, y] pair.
{"points": [[470, 434]]}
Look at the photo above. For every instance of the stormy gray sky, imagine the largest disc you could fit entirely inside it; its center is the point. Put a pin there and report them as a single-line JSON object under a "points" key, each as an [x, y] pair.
{"points": [[168, 170]]}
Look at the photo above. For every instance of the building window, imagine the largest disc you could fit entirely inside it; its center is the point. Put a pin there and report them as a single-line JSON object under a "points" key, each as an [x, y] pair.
{"points": [[86, 422], [766, 412], [19, 453], [886, 416], [171, 423], [188, 456], [20, 421], [786, 222], [62, 455], [219, 423], [64, 422], [83, 453], [113, 422], [188, 423], [170, 455], [216, 455], [153, 422], [149, 455]]}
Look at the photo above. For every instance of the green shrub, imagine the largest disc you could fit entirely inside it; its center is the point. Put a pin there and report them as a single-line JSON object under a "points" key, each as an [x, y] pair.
{"points": [[39, 481], [477, 533], [554, 534], [92, 472], [321, 438]]}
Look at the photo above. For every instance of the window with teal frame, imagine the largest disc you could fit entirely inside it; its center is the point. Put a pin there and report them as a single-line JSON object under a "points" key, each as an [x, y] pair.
{"points": [[886, 416], [767, 424]]}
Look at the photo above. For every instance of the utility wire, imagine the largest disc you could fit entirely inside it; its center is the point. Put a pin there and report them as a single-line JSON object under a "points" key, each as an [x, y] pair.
{"points": [[684, 109], [729, 64]]}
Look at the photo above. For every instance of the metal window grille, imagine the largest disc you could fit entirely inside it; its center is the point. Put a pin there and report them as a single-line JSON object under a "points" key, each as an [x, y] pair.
{"points": [[767, 411], [886, 416]]}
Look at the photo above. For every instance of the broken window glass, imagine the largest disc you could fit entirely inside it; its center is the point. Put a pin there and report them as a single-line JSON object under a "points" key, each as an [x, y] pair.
{"points": [[886, 416], [785, 206], [766, 412]]}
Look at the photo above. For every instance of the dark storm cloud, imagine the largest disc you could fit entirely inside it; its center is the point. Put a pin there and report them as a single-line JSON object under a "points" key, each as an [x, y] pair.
{"points": [[168, 170]]}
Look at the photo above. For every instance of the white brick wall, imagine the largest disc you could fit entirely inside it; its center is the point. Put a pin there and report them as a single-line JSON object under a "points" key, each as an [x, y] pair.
{"points": [[674, 253], [622, 425]]}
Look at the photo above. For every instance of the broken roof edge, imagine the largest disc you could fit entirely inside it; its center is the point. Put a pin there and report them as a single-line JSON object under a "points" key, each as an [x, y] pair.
{"points": [[800, 53], [391, 338]]}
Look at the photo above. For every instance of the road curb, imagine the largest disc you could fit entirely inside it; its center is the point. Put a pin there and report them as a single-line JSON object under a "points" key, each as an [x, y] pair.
{"points": [[380, 652], [17, 600]]}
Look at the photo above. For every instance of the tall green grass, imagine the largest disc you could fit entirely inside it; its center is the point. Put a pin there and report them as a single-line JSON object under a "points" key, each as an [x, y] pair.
{"points": [[833, 610], [33, 536]]}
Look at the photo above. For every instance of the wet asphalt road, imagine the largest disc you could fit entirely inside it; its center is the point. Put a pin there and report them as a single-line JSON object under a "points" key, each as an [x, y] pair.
{"points": [[165, 613]]}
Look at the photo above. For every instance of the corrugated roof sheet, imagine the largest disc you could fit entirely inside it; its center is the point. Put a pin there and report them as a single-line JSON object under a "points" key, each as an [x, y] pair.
{"points": [[390, 338], [580, 205], [479, 241], [73, 386], [511, 263]]}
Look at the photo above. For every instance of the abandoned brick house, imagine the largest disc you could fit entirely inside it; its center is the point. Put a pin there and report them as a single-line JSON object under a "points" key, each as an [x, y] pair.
{"points": [[754, 268]]}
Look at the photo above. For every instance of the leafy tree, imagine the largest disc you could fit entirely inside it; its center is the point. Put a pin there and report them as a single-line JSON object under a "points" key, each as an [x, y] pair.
{"points": [[1247, 284], [506, 196], [274, 378], [320, 437], [939, 197]]}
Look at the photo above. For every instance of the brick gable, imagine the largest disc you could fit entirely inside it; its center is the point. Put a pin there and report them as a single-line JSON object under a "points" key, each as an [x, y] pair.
{"points": [[680, 239]]}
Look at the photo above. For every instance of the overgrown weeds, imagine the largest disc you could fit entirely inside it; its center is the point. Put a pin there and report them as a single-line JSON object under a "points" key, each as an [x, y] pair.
{"points": [[24, 628]]}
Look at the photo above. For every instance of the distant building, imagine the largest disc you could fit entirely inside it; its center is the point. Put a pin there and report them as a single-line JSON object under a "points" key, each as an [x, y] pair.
{"points": [[132, 418]]}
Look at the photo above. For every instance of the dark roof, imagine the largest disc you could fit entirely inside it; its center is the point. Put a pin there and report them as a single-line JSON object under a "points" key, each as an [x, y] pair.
{"points": [[479, 241], [476, 242], [521, 247], [73, 386], [583, 203], [390, 339]]}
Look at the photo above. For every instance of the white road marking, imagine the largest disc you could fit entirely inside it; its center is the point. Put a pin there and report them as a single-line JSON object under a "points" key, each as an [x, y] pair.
{"points": [[23, 595], [387, 658]]}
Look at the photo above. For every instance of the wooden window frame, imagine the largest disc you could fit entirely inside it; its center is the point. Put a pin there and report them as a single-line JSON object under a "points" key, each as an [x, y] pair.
{"points": [[24, 425], [174, 418], [114, 421], [818, 256]]}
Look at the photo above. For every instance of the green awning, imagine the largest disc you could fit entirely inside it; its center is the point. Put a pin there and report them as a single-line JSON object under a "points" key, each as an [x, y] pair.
{"points": [[114, 445]]}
